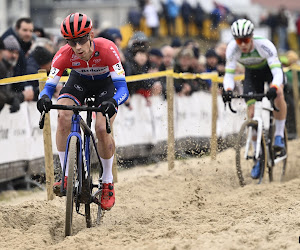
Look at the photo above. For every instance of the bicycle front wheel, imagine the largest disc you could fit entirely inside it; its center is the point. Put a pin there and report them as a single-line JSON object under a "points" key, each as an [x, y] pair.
{"points": [[245, 155], [73, 165]]}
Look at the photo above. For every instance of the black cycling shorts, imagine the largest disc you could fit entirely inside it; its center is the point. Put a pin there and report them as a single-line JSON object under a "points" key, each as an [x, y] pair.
{"points": [[255, 80], [78, 88]]}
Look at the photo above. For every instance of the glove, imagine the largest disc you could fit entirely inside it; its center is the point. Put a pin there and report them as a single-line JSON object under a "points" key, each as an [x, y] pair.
{"points": [[227, 96], [14, 105], [44, 104], [271, 94], [109, 107]]}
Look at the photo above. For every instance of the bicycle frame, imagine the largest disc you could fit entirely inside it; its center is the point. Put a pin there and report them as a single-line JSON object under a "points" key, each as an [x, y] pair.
{"points": [[85, 157], [257, 117], [75, 131]]}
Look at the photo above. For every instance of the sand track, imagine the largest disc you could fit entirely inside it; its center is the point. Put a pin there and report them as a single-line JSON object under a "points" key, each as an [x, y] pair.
{"points": [[198, 205]]}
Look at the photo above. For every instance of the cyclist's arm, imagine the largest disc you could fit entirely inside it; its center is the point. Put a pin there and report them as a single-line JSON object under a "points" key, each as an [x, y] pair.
{"points": [[50, 85], [57, 69], [269, 51], [122, 92], [231, 63], [117, 74]]}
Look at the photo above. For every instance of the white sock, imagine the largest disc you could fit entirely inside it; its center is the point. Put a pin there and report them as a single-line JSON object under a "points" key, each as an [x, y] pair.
{"points": [[279, 127], [62, 160], [107, 176]]}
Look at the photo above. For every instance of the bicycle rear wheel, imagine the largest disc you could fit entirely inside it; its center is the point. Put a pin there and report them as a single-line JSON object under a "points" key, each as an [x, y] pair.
{"points": [[277, 171], [245, 160], [73, 165]]}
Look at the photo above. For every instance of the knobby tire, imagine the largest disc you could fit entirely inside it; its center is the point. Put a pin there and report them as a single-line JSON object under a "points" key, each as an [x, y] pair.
{"points": [[72, 156]]}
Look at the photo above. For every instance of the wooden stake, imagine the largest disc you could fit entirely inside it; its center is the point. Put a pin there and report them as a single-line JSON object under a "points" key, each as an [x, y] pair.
{"points": [[296, 100], [171, 139], [213, 141], [47, 147]]}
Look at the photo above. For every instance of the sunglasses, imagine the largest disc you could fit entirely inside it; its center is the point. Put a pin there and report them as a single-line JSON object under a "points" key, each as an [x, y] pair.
{"points": [[243, 40], [80, 41]]}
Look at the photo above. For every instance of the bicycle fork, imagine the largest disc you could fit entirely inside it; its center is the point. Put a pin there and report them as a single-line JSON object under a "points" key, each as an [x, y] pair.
{"points": [[259, 132]]}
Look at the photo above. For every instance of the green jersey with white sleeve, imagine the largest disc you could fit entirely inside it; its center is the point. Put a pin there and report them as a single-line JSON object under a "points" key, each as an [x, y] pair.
{"points": [[263, 53]]}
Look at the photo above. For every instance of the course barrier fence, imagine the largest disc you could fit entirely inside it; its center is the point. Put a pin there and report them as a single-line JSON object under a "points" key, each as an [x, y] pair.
{"points": [[41, 76]]}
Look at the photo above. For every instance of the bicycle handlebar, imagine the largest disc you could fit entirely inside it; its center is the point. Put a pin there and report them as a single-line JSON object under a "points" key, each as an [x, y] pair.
{"points": [[74, 109], [253, 96]]}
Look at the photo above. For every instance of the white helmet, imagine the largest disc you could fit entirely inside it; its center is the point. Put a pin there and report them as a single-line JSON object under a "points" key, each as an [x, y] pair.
{"points": [[242, 28]]}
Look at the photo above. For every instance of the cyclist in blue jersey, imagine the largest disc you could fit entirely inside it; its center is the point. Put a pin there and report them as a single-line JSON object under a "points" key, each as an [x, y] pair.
{"points": [[261, 62]]}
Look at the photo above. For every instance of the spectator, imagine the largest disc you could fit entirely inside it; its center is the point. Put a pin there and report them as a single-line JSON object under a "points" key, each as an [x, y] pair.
{"points": [[39, 32], [221, 53], [139, 65], [168, 53], [298, 30], [176, 45], [7, 95], [219, 13], [211, 63], [155, 59], [155, 65], [11, 53], [114, 35], [199, 16], [43, 42], [40, 58], [139, 41], [60, 42], [172, 12], [271, 21], [152, 19], [22, 31], [282, 20], [201, 64], [134, 18], [186, 13], [194, 46], [183, 64]]}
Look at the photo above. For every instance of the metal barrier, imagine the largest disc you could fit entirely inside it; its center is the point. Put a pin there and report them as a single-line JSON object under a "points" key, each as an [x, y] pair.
{"points": [[41, 76]]}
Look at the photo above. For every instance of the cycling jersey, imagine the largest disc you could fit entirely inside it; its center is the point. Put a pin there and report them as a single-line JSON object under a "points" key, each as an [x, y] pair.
{"points": [[105, 62], [264, 53]]}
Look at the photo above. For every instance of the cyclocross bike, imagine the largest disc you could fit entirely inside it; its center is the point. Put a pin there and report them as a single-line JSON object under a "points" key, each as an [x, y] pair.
{"points": [[271, 160], [84, 185]]}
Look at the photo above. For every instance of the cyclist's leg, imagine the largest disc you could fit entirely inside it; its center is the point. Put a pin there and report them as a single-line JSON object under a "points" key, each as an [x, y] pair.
{"points": [[105, 145], [280, 117]]}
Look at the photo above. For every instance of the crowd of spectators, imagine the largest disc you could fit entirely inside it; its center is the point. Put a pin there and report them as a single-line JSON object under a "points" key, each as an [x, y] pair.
{"points": [[25, 48], [170, 10]]}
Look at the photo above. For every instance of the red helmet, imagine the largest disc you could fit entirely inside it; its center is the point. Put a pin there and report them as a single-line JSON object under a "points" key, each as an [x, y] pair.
{"points": [[76, 25]]}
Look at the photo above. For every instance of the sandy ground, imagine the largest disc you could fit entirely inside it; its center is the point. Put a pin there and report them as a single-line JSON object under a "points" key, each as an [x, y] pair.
{"points": [[197, 205]]}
